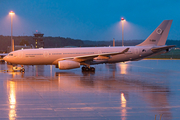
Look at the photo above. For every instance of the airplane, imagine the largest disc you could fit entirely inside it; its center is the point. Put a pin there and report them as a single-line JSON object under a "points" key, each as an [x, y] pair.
{"points": [[70, 58]]}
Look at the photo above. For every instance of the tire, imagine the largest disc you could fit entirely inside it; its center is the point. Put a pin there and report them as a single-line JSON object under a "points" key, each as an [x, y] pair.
{"points": [[83, 68], [86, 69], [92, 69], [23, 70]]}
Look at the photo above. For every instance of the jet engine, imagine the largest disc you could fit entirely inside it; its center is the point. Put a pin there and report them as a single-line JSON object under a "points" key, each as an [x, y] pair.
{"points": [[68, 64]]}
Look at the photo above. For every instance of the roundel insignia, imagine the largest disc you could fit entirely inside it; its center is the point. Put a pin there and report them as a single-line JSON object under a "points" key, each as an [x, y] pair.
{"points": [[159, 31]]}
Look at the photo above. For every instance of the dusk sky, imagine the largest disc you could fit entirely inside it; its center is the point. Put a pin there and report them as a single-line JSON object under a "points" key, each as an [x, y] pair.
{"points": [[89, 19]]}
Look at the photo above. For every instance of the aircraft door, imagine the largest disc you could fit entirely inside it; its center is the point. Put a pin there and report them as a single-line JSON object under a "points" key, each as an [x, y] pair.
{"points": [[46, 54], [136, 51], [20, 54]]}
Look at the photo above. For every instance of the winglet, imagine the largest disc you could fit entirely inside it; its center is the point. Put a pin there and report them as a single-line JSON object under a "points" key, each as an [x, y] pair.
{"points": [[124, 51]]}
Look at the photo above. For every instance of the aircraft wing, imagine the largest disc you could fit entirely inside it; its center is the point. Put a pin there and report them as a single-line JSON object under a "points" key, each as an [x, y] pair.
{"points": [[3, 55], [162, 48], [90, 57]]}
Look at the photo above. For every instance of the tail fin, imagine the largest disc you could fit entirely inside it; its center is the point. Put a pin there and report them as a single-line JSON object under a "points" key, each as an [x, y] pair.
{"points": [[159, 35]]}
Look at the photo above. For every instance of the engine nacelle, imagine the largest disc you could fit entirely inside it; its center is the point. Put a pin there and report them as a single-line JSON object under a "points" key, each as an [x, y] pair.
{"points": [[68, 64]]}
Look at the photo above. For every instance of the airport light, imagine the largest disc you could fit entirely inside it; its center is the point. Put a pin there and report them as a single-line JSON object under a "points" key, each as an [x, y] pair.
{"points": [[12, 41], [11, 13], [122, 20]]}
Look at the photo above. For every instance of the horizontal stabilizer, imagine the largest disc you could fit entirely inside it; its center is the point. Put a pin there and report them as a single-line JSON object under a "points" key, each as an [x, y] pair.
{"points": [[162, 48]]}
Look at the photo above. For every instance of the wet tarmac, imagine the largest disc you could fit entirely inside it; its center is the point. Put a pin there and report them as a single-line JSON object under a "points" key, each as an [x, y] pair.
{"points": [[137, 90]]}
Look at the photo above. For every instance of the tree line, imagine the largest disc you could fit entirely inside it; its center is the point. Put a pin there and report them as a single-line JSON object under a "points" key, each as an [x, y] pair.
{"points": [[56, 42]]}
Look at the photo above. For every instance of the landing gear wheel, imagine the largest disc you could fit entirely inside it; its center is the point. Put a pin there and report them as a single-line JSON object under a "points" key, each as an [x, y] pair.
{"points": [[22, 70], [92, 69], [87, 69], [83, 68]]}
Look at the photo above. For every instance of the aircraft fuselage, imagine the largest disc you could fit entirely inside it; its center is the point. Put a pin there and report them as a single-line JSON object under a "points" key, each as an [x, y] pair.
{"points": [[51, 56]]}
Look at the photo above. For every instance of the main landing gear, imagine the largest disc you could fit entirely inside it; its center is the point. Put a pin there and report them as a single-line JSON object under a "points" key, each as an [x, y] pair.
{"points": [[88, 69]]}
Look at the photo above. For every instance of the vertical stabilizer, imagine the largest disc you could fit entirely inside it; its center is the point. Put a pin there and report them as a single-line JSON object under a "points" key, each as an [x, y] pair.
{"points": [[159, 35]]}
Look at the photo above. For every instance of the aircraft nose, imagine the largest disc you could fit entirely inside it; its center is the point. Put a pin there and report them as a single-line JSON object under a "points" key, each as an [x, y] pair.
{"points": [[5, 58]]}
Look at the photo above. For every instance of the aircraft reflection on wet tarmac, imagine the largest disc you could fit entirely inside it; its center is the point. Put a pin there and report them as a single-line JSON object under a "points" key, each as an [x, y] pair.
{"points": [[114, 91]]}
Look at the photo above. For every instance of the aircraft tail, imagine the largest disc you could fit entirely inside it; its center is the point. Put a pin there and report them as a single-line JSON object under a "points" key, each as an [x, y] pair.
{"points": [[159, 35]]}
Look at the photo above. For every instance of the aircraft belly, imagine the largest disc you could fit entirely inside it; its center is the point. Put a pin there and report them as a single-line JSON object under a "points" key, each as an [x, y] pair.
{"points": [[128, 57], [33, 61], [118, 58], [98, 62]]}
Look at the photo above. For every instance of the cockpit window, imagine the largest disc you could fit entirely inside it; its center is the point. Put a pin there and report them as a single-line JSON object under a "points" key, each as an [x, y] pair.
{"points": [[10, 54]]}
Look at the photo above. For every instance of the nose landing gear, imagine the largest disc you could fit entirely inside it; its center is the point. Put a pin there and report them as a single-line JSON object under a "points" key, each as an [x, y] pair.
{"points": [[16, 68]]}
